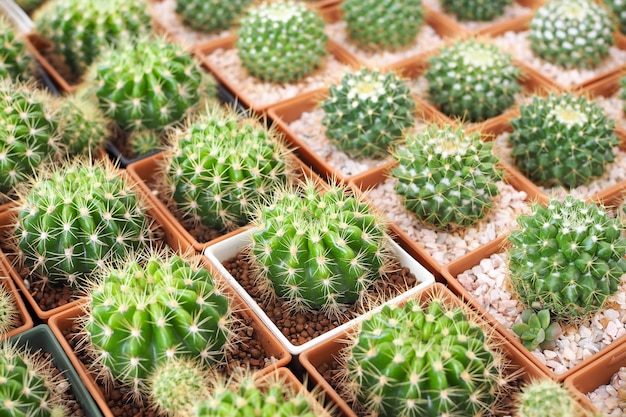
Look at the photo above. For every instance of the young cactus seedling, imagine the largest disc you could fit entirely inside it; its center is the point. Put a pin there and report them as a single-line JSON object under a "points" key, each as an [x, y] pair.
{"points": [[211, 16], [144, 142], [545, 397], [536, 329], [15, 59], [476, 10]]}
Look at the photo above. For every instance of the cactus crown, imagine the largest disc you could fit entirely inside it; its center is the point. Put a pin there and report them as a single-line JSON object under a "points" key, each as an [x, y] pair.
{"points": [[281, 41], [476, 10], [8, 310], [210, 16], [447, 177], [367, 112], [571, 33], [562, 139], [319, 250], [15, 59], [567, 257], [472, 80], [545, 397]]}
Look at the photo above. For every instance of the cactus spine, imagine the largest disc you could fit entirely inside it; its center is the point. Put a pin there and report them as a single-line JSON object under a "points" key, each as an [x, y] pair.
{"points": [[210, 16], [15, 59], [83, 127], [144, 142], [477, 10], [545, 397]]}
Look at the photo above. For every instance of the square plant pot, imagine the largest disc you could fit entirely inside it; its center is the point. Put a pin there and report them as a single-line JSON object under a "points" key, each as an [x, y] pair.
{"points": [[607, 93], [23, 320], [226, 249]]}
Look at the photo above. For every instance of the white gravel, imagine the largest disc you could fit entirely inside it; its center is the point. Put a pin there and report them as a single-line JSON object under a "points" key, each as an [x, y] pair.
{"points": [[510, 12], [610, 399]]}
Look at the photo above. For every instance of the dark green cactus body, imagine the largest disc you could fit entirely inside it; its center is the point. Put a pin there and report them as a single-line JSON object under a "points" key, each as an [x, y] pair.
{"points": [[367, 112], [567, 257], [77, 218], [210, 16], [562, 140], [282, 41], [415, 361], [15, 59], [446, 177], [618, 9], [143, 314], [383, 24], [83, 127], [476, 10], [571, 33], [472, 80]]}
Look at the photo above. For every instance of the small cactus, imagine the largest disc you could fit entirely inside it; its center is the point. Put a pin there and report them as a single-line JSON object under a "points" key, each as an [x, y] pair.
{"points": [[536, 329], [367, 112], [8, 310], [82, 125], [475, 10], [618, 10], [15, 59], [143, 142], [545, 397], [210, 16], [571, 33], [472, 80], [447, 177], [567, 257], [281, 41], [562, 139]]}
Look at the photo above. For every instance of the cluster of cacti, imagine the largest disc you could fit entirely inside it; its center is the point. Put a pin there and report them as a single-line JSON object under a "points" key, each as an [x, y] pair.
{"points": [[219, 168], [319, 249], [562, 139], [77, 216], [477, 10], [472, 80], [154, 306], [80, 29], [566, 257], [210, 16], [545, 397], [281, 41], [536, 329], [418, 360], [446, 176], [368, 112], [571, 33], [15, 59], [8, 310], [384, 25], [618, 9], [143, 142], [83, 128]]}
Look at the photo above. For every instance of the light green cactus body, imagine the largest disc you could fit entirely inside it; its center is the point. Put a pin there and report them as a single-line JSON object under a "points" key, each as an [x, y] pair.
{"points": [[416, 361], [143, 312], [446, 177], [618, 9], [282, 41], [74, 219], [567, 257], [536, 329], [80, 29], [472, 80], [82, 125], [319, 250], [384, 25], [210, 16], [563, 140], [545, 397], [8, 309], [15, 58], [571, 33], [143, 142], [476, 10], [367, 112]]}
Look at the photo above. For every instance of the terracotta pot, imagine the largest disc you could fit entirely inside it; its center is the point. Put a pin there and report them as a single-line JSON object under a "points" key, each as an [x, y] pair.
{"points": [[24, 320], [39, 47]]}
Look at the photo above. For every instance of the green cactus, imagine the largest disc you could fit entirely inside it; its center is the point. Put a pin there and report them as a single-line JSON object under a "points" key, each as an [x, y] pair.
{"points": [[8, 310], [618, 10], [567, 257], [144, 142], [622, 91], [476, 10], [319, 250], [563, 140], [447, 177], [419, 360], [472, 80], [15, 58], [536, 329], [383, 24], [80, 29], [82, 125], [367, 112], [571, 33], [219, 168], [281, 41], [76, 217], [211, 16], [545, 397], [153, 307]]}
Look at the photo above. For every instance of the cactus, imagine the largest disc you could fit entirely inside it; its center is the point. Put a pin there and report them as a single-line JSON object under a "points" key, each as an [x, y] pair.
{"points": [[562, 139], [545, 397], [80, 29], [571, 33], [472, 80], [8, 310], [567, 257], [536, 329], [319, 251], [475, 10], [74, 218], [419, 360], [82, 126], [447, 177], [152, 307], [367, 112], [15, 59], [210, 16], [383, 25], [144, 142], [219, 168], [618, 10], [282, 41]]}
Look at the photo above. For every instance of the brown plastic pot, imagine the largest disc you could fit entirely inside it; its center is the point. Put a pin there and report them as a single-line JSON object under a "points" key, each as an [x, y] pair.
{"points": [[24, 320]]}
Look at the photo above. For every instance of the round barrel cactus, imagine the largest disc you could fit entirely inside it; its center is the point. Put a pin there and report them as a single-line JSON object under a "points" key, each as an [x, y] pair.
{"points": [[143, 142], [319, 250], [567, 257], [75, 218], [545, 397], [83, 127], [618, 10], [281, 41], [210, 16], [383, 24], [154, 307], [476, 10], [447, 177], [562, 139], [15, 59], [472, 80], [571, 33], [367, 112]]}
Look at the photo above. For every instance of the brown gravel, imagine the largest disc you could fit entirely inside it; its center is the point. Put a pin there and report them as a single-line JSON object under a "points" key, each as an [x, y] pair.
{"points": [[73, 406]]}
